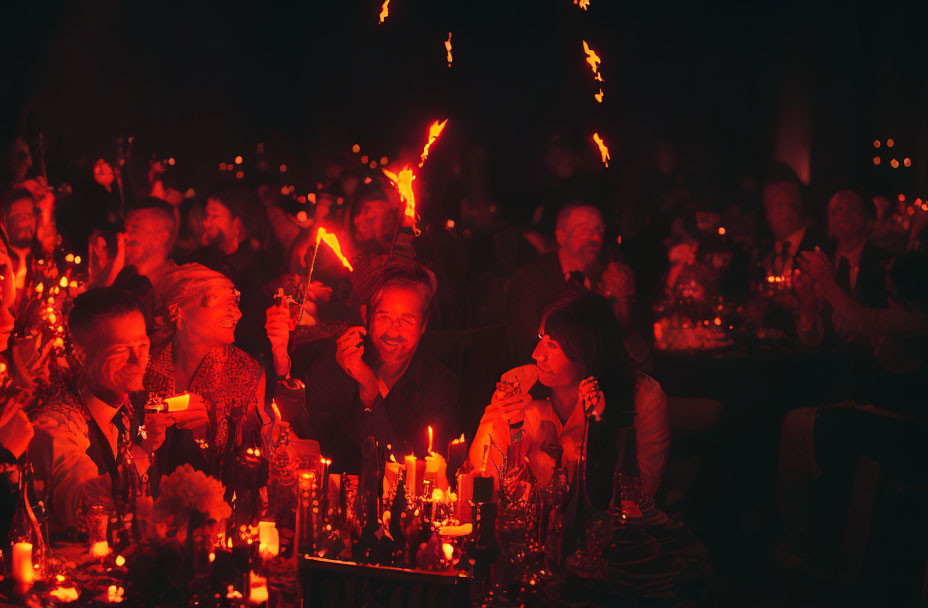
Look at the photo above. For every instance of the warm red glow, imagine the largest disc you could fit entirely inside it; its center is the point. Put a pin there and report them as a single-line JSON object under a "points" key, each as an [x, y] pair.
{"points": [[238, 160], [384, 11], [448, 49], [584, 4], [599, 96], [277, 416], [332, 241], [907, 161], [876, 160], [430, 439], [901, 198], [283, 168], [434, 131], [403, 183], [876, 143], [603, 150], [593, 59], [894, 163], [722, 230], [356, 148], [890, 143]]}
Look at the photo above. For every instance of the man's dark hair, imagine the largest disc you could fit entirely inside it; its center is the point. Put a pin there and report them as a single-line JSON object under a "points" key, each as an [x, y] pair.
{"points": [[92, 306], [408, 273], [160, 207], [11, 196]]}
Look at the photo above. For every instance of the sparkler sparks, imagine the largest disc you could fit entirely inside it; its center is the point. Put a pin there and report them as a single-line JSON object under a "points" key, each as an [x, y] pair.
{"points": [[599, 96], [584, 4], [384, 11], [603, 150], [332, 241], [448, 48]]}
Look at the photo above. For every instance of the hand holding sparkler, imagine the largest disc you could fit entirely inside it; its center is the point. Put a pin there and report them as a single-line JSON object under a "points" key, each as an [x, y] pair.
{"points": [[104, 265], [278, 326], [594, 402]]}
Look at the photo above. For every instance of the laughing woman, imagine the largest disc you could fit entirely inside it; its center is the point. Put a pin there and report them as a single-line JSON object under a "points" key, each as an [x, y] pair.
{"points": [[578, 338], [202, 306]]}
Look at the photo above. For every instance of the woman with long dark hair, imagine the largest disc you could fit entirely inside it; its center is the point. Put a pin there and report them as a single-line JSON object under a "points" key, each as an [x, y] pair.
{"points": [[579, 347]]}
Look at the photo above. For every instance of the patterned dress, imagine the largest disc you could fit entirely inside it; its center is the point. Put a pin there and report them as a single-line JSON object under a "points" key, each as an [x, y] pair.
{"points": [[228, 380]]}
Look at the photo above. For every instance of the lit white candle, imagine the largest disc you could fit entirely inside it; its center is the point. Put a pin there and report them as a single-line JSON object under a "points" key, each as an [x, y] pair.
{"points": [[22, 569]]}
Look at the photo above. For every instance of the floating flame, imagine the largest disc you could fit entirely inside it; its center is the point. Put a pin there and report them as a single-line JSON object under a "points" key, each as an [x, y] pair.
{"points": [[332, 241], [459, 439], [384, 11], [593, 59], [448, 48], [430, 439], [599, 96], [403, 183], [584, 4], [434, 131], [603, 150]]}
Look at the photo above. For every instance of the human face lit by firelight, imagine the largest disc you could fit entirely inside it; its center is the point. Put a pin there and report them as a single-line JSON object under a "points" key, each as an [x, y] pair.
{"points": [[555, 368], [211, 320], [398, 319]]}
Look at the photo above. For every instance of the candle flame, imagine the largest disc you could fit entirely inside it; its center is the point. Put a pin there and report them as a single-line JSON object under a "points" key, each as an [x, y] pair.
{"points": [[277, 415], [332, 241], [430, 439], [603, 150], [403, 183], [392, 458], [436, 127], [384, 11], [448, 48], [448, 550]]}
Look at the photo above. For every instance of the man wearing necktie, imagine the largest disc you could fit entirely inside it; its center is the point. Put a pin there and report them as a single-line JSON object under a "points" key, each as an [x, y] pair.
{"points": [[86, 449]]}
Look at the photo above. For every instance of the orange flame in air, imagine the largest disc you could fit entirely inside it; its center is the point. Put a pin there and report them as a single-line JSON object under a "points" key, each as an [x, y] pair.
{"points": [[603, 150], [593, 59], [332, 241], [599, 96], [448, 48], [384, 11], [459, 439], [403, 183], [430, 439], [277, 415], [584, 4], [434, 131]]}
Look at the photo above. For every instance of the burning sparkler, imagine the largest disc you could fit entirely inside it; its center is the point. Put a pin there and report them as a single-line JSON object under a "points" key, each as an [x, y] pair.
{"points": [[603, 150], [584, 4], [384, 11], [403, 179], [448, 48], [434, 131], [324, 236]]}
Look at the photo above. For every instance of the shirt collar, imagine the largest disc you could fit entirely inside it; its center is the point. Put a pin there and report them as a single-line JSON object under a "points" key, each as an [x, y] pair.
{"points": [[853, 256], [101, 412]]}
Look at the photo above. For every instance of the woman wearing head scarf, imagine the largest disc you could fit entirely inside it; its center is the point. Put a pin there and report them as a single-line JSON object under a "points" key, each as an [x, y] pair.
{"points": [[201, 306]]}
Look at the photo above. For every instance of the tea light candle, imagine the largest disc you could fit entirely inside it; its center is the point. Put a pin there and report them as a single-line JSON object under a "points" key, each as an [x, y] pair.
{"points": [[22, 569], [257, 589]]}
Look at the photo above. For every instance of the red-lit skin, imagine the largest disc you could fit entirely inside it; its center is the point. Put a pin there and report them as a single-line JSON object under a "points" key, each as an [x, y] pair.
{"points": [[20, 222], [115, 358], [398, 318], [7, 297], [580, 239], [148, 241], [847, 221], [375, 221], [558, 372], [103, 174], [202, 325], [783, 208], [221, 227]]}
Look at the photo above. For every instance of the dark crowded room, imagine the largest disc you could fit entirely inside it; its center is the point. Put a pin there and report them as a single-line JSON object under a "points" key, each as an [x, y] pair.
{"points": [[495, 304]]}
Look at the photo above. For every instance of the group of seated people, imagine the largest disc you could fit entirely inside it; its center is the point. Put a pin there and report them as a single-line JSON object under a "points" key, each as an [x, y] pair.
{"points": [[151, 322]]}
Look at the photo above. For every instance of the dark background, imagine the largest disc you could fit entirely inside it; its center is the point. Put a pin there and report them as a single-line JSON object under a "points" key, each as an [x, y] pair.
{"points": [[203, 81]]}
